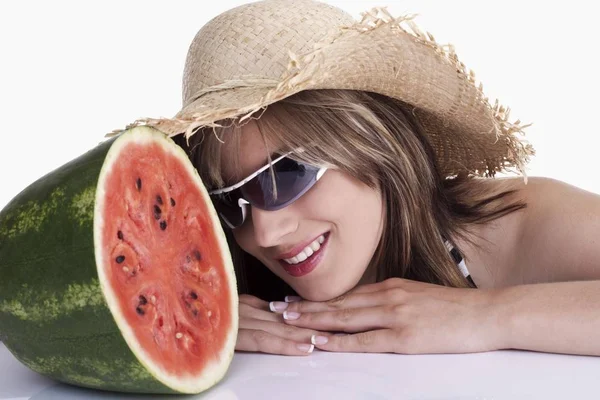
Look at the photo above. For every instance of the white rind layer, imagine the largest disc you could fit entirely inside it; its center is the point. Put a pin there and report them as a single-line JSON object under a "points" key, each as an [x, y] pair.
{"points": [[185, 384]]}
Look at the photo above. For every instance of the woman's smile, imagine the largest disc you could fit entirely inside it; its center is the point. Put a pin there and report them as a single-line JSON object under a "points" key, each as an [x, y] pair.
{"points": [[304, 258]]}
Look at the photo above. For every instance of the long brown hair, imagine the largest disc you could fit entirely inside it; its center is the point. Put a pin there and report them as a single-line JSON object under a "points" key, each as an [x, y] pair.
{"points": [[377, 140]]}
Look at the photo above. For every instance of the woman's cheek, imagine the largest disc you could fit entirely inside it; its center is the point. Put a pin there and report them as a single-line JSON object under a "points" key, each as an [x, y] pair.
{"points": [[243, 237]]}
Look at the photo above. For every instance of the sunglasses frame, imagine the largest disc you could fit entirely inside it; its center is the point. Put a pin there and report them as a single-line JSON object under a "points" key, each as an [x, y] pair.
{"points": [[249, 177], [243, 203]]}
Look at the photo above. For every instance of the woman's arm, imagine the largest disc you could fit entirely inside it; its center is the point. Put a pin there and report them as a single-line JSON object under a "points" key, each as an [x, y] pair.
{"points": [[559, 249], [556, 245], [561, 317], [410, 317]]}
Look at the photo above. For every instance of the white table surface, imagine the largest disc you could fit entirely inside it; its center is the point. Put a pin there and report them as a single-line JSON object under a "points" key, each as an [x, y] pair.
{"points": [[492, 375]]}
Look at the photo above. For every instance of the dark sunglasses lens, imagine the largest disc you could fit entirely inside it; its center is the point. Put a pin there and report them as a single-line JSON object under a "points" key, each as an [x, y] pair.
{"points": [[228, 209], [292, 180]]}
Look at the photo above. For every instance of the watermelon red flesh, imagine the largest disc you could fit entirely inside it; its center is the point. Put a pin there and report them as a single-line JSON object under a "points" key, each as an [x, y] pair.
{"points": [[59, 313], [160, 260]]}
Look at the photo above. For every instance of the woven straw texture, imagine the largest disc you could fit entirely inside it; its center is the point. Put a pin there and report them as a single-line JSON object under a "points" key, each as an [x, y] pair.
{"points": [[253, 55]]}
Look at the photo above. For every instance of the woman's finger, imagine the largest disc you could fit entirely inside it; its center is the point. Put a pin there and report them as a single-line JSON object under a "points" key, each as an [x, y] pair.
{"points": [[260, 341], [350, 300], [254, 302], [346, 320], [407, 285], [249, 311], [390, 283], [375, 341], [281, 330]]}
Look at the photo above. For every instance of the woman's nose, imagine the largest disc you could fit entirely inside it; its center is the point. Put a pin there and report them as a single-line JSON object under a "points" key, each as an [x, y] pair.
{"points": [[271, 226]]}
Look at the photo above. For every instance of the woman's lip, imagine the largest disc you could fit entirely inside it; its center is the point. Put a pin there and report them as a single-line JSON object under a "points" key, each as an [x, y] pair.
{"points": [[306, 266], [297, 249]]}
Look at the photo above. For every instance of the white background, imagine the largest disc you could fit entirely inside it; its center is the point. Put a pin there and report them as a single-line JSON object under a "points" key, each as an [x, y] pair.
{"points": [[71, 71]]}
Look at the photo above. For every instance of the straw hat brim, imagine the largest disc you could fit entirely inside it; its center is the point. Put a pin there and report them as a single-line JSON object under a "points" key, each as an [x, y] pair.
{"points": [[393, 57]]}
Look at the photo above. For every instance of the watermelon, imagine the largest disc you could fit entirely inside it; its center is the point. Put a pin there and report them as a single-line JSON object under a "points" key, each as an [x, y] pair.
{"points": [[115, 273]]}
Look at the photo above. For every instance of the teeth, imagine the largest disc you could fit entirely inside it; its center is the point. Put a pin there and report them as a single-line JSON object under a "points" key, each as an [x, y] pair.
{"points": [[307, 251]]}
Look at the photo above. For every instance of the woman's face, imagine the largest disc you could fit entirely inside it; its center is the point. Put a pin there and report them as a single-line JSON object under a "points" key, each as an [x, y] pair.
{"points": [[339, 211]]}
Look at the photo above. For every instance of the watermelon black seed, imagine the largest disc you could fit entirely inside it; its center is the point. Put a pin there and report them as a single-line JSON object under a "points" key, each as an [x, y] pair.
{"points": [[138, 184], [143, 300], [197, 255], [172, 202], [120, 259], [140, 311], [163, 225], [159, 200], [120, 235], [157, 212], [193, 295]]}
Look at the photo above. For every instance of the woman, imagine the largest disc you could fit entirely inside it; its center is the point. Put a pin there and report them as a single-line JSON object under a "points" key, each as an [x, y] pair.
{"points": [[361, 199]]}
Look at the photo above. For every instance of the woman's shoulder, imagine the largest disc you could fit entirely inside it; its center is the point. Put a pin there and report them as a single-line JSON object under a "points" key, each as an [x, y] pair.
{"points": [[538, 243], [521, 184], [530, 190], [492, 249], [541, 194]]}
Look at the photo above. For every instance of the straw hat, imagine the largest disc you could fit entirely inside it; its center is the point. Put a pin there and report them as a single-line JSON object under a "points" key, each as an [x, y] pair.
{"points": [[258, 53]]}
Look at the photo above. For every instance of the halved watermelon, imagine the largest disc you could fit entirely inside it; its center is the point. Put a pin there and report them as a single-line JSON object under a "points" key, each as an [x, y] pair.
{"points": [[115, 273]]}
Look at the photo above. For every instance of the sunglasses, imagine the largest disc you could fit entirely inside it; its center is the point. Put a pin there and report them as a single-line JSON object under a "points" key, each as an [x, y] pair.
{"points": [[292, 180]]}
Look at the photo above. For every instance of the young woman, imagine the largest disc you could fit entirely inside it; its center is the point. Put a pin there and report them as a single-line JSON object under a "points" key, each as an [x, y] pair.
{"points": [[360, 204]]}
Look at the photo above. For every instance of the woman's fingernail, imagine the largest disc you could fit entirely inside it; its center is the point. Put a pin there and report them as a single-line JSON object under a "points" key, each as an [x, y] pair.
{"points": [[307, 348], [277, 306], [291, 299], [291, 315], [314, 339]]}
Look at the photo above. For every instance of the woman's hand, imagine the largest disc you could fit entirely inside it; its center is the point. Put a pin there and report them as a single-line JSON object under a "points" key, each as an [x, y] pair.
{"points": [[260, 330], [401, 316]]}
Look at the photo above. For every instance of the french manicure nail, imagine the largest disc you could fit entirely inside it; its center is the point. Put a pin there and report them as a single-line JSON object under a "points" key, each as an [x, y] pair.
{"points": [[291, 299], [291, 315], [308, 348], [314, 339], [277, 306]]}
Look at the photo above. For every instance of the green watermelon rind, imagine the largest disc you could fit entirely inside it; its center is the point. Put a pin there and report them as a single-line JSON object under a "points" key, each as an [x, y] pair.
{"points": [[53, 315], [186, 384]]}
